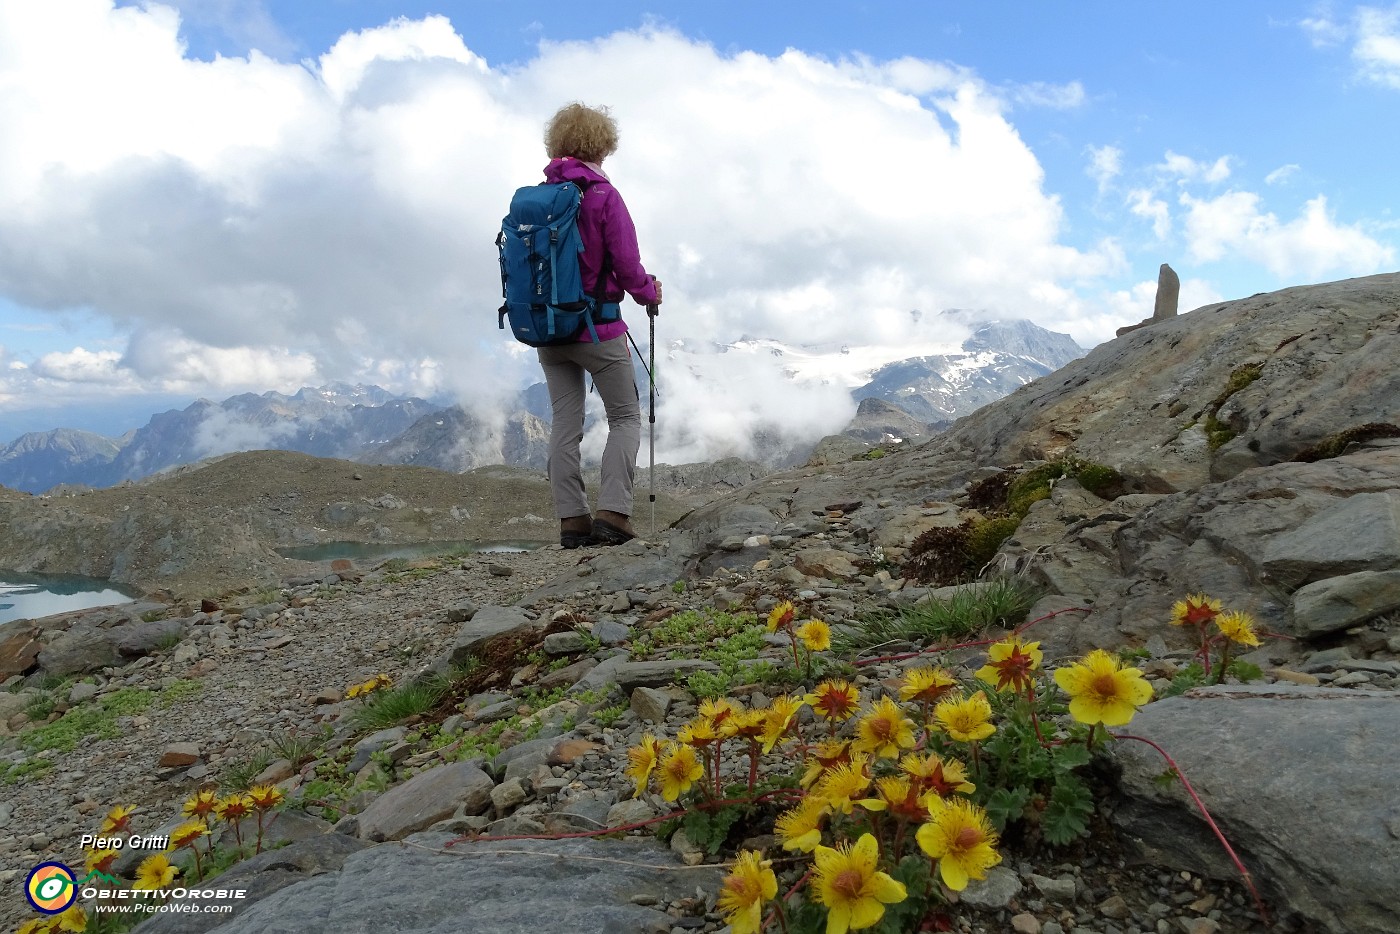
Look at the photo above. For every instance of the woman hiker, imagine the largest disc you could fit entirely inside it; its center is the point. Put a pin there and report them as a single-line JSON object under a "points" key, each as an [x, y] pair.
{"points": [[577, 140]]}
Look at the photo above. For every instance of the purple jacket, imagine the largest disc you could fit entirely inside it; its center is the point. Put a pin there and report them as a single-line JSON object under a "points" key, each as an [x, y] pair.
{"points": [[603, 219]]}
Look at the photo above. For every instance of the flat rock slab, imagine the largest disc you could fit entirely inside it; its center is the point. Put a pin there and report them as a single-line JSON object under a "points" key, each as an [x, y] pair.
{"points": [[1301, 780], [259, 876], [426, 799], [509, 887], [486, 624]]}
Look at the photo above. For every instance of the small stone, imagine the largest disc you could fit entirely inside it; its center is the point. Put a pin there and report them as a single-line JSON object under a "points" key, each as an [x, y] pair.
{"points": [[650, 704], [611, 632], [689, 853], [81, 691], [569, 751], [179, 756], [562, 643], [279, 771], [1115, 907], [1025, 923], [1201, 926], [328, 696], [631, 811], [508, 794], [1056, 890], [500, 570], [1296, 677], [994, 892]]}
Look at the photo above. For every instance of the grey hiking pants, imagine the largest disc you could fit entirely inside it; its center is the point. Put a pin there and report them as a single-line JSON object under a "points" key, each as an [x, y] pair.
{"points": [[610, 364]]}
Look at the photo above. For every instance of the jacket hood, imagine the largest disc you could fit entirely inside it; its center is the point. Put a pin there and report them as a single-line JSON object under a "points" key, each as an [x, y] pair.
{"points": [[569, 169]]}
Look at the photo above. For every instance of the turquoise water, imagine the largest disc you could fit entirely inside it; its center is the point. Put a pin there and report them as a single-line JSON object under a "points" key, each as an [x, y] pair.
{"points": [[30, 596], [363, 551]]}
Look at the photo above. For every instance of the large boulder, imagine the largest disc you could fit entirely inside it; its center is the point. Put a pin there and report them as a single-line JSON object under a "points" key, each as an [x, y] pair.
{"points": [[425, 799], [511, 887], [1302, 782], [258, 876]]}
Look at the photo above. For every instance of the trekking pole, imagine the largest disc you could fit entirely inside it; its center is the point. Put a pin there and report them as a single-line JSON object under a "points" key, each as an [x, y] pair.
{"points": [[652, 311]]}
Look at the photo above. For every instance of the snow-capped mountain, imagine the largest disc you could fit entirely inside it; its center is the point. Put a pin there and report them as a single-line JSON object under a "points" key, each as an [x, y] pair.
{"points": [[754, 398]]}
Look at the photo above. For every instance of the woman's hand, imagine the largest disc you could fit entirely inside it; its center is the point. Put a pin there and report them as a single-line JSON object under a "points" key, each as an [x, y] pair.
{"points": [[658, 289]]}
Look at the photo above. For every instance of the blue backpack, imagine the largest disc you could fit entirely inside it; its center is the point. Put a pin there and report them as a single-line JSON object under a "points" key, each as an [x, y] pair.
{"points": [[540, 276]]}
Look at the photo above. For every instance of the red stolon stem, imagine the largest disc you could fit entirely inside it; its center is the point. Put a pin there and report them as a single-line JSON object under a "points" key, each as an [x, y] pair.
{"points": [[1210, 821]]}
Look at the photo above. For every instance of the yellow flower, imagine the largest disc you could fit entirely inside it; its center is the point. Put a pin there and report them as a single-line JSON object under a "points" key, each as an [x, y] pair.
{"points": [[959, 835], [641, 760], [967, 719], [187, 833], [926, 685], [679, 770], [746, 724], [842, 786], [100, 860], [265, 797], [849, 884], [777, 718], [834, 700], [1237, 627], [233, 808], [1102, 691], [700, 732], [201, 805], [898, 795], [781, 616], [815, 635], [749, 884], [117, 819], [936, 775], [72, 918], [1195, 610], [826, 756], [716, 710], [801, 827], [155, 872], [884, 731], [1010, 663]]}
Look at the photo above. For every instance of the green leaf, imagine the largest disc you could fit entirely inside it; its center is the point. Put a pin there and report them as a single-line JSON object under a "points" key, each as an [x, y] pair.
{"points": [[1070, 757], [1006, 805], [1193, 675], [1067, 814], [1245, 672]]}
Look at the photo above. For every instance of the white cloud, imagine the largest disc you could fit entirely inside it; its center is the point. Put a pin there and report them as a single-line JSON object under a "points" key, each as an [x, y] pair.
{"points": [[81, 366], [1105, 165], [258, 223], [1185, 169], [1377, 49], [1311, 245], [1281, 174], [1374, 34], [1053, 96], [1144, 203], [1323, 30]]}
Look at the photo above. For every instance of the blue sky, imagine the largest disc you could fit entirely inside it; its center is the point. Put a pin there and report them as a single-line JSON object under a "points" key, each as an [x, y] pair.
{"points": [[215, 196]]}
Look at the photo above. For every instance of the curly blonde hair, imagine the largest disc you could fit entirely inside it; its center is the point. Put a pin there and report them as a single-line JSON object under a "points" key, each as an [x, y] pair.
{"points": [[587, 133]]}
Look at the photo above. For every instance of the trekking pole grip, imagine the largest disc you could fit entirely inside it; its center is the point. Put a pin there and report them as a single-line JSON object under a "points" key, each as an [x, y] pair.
{"points": [[653, 310]]}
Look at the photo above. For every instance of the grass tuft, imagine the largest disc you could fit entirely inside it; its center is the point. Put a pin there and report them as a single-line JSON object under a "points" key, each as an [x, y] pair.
{"points": [[970, 611]]}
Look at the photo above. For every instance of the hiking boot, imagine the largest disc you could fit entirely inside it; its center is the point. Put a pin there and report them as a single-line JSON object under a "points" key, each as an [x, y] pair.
{"points": [[576, 531], [612, 528]]}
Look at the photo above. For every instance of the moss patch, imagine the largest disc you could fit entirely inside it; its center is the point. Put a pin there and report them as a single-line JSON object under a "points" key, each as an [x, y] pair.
{"points": [[1334, 445]]}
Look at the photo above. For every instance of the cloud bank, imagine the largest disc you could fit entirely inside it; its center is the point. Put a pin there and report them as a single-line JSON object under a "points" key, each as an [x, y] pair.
{"points": [[257, 223]]}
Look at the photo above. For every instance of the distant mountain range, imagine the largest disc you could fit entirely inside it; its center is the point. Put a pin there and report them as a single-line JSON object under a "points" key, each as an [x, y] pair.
{"points": [[909, 399]]}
